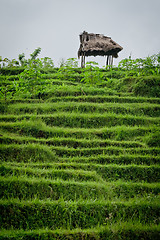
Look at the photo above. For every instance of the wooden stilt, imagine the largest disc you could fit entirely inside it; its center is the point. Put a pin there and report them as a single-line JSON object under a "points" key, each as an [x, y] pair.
{"points": [[111, 60], [107, 60], [82, 61]]}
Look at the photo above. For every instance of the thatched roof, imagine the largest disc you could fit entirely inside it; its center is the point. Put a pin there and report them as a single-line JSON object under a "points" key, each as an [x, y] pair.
{"points": [[97, 45]]}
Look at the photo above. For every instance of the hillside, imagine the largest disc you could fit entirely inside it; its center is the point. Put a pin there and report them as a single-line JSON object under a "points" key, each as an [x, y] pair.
{"points": [[79, 153]]}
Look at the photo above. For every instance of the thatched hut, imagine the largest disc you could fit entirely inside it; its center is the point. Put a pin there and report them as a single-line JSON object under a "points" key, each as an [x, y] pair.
{"points": [[97, 45]]}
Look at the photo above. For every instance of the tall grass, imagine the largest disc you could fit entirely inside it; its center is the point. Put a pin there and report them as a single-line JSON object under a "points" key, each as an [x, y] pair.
{"points": [[36, 128], [145, 109], [79, 214], [45, 187], [80, 158], [83, 120]]}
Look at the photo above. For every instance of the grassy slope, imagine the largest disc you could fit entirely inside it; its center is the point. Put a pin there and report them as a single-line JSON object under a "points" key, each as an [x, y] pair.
{"points": [[82, 162]]}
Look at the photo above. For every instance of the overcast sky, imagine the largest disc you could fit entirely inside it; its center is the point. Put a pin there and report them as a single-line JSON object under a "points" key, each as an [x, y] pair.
{"points": [[55, 25]]}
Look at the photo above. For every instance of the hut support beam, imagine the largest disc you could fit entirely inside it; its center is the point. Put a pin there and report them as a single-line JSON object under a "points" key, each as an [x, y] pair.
{"points": [[83, 61], [109, 60]]}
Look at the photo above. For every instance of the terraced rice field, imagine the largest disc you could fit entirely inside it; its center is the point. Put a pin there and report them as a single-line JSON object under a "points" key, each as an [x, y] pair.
{"points": [[80, 166]]}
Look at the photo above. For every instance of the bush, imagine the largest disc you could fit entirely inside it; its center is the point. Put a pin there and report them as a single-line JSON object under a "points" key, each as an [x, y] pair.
{"points": [[26, 153], [147, 86], [11, 71], [153, 140]]}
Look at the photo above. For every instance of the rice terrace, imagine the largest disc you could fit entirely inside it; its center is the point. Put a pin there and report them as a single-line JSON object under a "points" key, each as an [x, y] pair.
{"points": [[80, 149]]}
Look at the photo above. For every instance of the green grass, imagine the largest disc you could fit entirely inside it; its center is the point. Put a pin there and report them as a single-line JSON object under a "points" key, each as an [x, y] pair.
{"points": [[80, 161], [105, 159], [89, 172], [145, 109], [37, 128], [41, 185], [65, 174], [6, 138], [40, 152], [84, 120], [140, 86], [103, 99], [89, 98], [123, 230], [26, 153], [76, 214]]}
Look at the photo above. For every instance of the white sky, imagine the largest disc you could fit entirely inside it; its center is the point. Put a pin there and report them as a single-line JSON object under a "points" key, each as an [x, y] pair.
{"points": [[55, 25]]}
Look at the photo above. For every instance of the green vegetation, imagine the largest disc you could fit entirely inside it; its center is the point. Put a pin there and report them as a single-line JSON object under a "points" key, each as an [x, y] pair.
{"points": [[80, 149]]}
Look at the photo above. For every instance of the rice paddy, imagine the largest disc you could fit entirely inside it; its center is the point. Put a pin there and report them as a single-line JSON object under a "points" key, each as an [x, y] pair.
{"points": [[80, 162]]}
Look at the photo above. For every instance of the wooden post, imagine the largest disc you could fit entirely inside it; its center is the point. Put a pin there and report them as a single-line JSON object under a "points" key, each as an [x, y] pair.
{"points": [[111, 60], [82, 61], [107, 60]]}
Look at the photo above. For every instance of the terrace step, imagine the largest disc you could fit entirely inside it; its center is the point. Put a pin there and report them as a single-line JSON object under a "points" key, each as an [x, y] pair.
{"points": [[83, 120], [137, 159], [47, 188], [69, 142], [89, 98], [41, 153], [86, 152], [137, 109], [64, 174], [114, 159], [125, 230], [112, 172], [19, 214], [103, 99], [39, 130]]}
